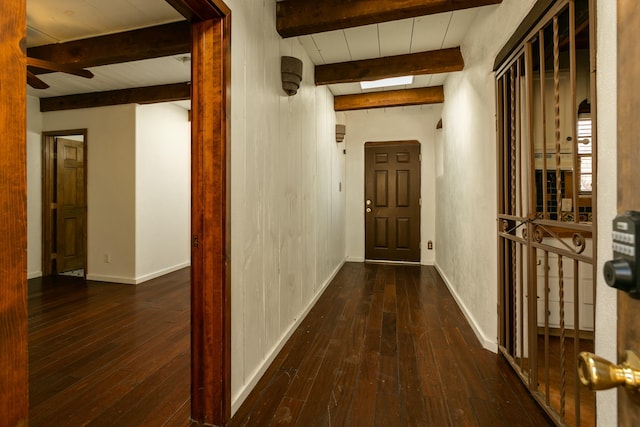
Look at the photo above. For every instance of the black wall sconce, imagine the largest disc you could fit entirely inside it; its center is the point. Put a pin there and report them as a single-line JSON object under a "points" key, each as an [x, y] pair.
{"points": [[291, 70]]}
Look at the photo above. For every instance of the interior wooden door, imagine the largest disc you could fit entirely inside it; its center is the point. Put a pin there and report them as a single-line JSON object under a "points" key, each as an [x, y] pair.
{"points": [[71, 205], [628, 190], [392, 201]]}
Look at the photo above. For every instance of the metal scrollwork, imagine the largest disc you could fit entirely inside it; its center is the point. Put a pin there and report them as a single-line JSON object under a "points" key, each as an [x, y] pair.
{"points": [[525, 234], [505, 226], [579, 242], [538, 234]]}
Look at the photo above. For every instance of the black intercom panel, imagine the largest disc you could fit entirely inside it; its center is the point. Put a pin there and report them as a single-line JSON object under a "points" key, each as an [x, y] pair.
{"points": [[624, 270]]}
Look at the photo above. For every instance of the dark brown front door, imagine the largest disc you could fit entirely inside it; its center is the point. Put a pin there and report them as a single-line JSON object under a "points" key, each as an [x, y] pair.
{"points": [[392, 201], [71, 206]]}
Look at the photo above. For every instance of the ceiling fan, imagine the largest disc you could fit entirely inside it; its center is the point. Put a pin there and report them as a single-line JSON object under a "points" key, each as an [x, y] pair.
{"points": [[37, 83]]}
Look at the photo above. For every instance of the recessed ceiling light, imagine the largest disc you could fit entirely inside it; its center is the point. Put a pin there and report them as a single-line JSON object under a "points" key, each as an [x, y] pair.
{"points": [[392, 81]]}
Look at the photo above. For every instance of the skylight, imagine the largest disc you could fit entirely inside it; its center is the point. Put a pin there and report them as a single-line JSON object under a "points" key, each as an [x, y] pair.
{"points": [[392, 81]]}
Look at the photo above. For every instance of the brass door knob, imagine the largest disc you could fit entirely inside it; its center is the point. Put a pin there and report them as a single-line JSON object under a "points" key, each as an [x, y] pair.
{"points": [[600, 374]]}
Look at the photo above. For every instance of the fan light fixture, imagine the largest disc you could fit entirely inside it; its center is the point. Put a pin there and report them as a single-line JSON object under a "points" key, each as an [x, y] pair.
{"points": [[392, 81]]}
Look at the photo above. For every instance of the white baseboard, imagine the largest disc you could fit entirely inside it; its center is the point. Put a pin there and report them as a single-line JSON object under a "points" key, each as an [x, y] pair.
{"points": [[255, 376], [489, 344], [137, 280], [33, 274], [354, 259], [146, 277], [112, 279]]}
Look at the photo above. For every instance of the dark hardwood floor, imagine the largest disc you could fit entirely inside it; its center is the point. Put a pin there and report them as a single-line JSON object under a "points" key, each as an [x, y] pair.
{"points": [[384, 346], [104, 354], [388, 346]]}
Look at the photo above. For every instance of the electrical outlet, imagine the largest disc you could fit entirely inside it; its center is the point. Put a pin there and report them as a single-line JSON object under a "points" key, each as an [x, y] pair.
{"points": [[430, 245], [107, 258]]}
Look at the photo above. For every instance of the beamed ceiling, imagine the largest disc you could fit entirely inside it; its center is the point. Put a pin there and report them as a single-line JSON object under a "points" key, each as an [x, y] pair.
{"points": [[139, 50]]}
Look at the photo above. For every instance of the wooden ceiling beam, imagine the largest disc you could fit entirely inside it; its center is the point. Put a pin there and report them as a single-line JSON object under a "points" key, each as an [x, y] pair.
{"points": [[392, 98], [432, 62], [299, 17], [140, 95], [199, 10], [135, 45]]}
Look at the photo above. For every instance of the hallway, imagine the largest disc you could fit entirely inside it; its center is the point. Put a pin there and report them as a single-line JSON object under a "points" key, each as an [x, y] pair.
{"points": [[387, 345], [384, 346]]}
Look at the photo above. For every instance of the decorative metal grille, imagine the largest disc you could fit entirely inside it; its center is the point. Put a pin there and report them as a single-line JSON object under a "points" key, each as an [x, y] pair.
{"points": [[546, 232]]}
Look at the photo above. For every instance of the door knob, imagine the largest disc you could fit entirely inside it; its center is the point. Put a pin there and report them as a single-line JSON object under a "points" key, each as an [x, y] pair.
{"points": [[600, 374], [368, 210], [368, 202]]}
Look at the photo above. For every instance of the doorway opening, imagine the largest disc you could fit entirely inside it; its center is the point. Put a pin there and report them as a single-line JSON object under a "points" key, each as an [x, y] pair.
{"points": [[64, 202], [545, 92], [392, 206]]}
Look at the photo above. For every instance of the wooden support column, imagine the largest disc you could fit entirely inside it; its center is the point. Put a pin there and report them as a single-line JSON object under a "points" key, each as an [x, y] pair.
{"points": [[14, 380], [210, 304]]}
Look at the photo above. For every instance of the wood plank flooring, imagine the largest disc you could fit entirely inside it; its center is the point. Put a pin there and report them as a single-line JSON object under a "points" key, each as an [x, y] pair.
{"points": [[388, 346], [103, 354], [384, 346]]}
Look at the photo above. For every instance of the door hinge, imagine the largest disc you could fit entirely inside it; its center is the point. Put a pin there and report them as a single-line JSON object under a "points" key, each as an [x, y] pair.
{"points": [[195, 241], [54, 256], [419, 157], [420, 201], [54, 206]]}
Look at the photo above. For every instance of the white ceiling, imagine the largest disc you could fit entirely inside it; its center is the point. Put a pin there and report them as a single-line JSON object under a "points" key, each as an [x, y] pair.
{"points": [[50, 21], [425, 33]]}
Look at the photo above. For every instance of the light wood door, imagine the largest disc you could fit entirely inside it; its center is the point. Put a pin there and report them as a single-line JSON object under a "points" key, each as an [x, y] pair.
{"points": [[71, 205], [392, 201], [628, 188]]}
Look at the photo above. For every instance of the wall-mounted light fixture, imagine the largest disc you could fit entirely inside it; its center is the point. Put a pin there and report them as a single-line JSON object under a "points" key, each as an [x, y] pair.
{"points": [[291, 69], [341, 130]]}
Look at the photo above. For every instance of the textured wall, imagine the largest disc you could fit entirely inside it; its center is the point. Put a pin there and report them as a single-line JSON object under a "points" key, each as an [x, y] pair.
{"points": [[287, 213]]}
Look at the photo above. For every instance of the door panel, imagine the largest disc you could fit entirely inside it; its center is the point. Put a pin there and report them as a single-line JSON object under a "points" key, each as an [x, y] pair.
{"points": [[71, 223], [392, 210]]}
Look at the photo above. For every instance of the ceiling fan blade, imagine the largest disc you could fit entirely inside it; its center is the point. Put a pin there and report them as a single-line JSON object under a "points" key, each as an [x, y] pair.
{"points": [[35, 82], [52, 66]]}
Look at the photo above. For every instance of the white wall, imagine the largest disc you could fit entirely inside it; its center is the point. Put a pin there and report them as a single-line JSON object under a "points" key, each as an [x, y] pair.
{"points": [[287, 213], [138, 188], [163, 190], [466, 188], [390, 124], [34, 188], [606, 308], [110, 160]]}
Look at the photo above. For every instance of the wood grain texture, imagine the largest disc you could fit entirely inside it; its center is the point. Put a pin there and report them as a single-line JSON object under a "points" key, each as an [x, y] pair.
{"points": [[628, 190], [387, 345], [211, 304], [13, 211], [432, 62], [139, 95], [135, 45], [109, 354], [391, 98], [296, 17]]}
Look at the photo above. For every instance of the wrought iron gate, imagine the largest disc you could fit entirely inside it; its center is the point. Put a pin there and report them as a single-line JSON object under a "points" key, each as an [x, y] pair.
{"points": [[545, 94]]}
